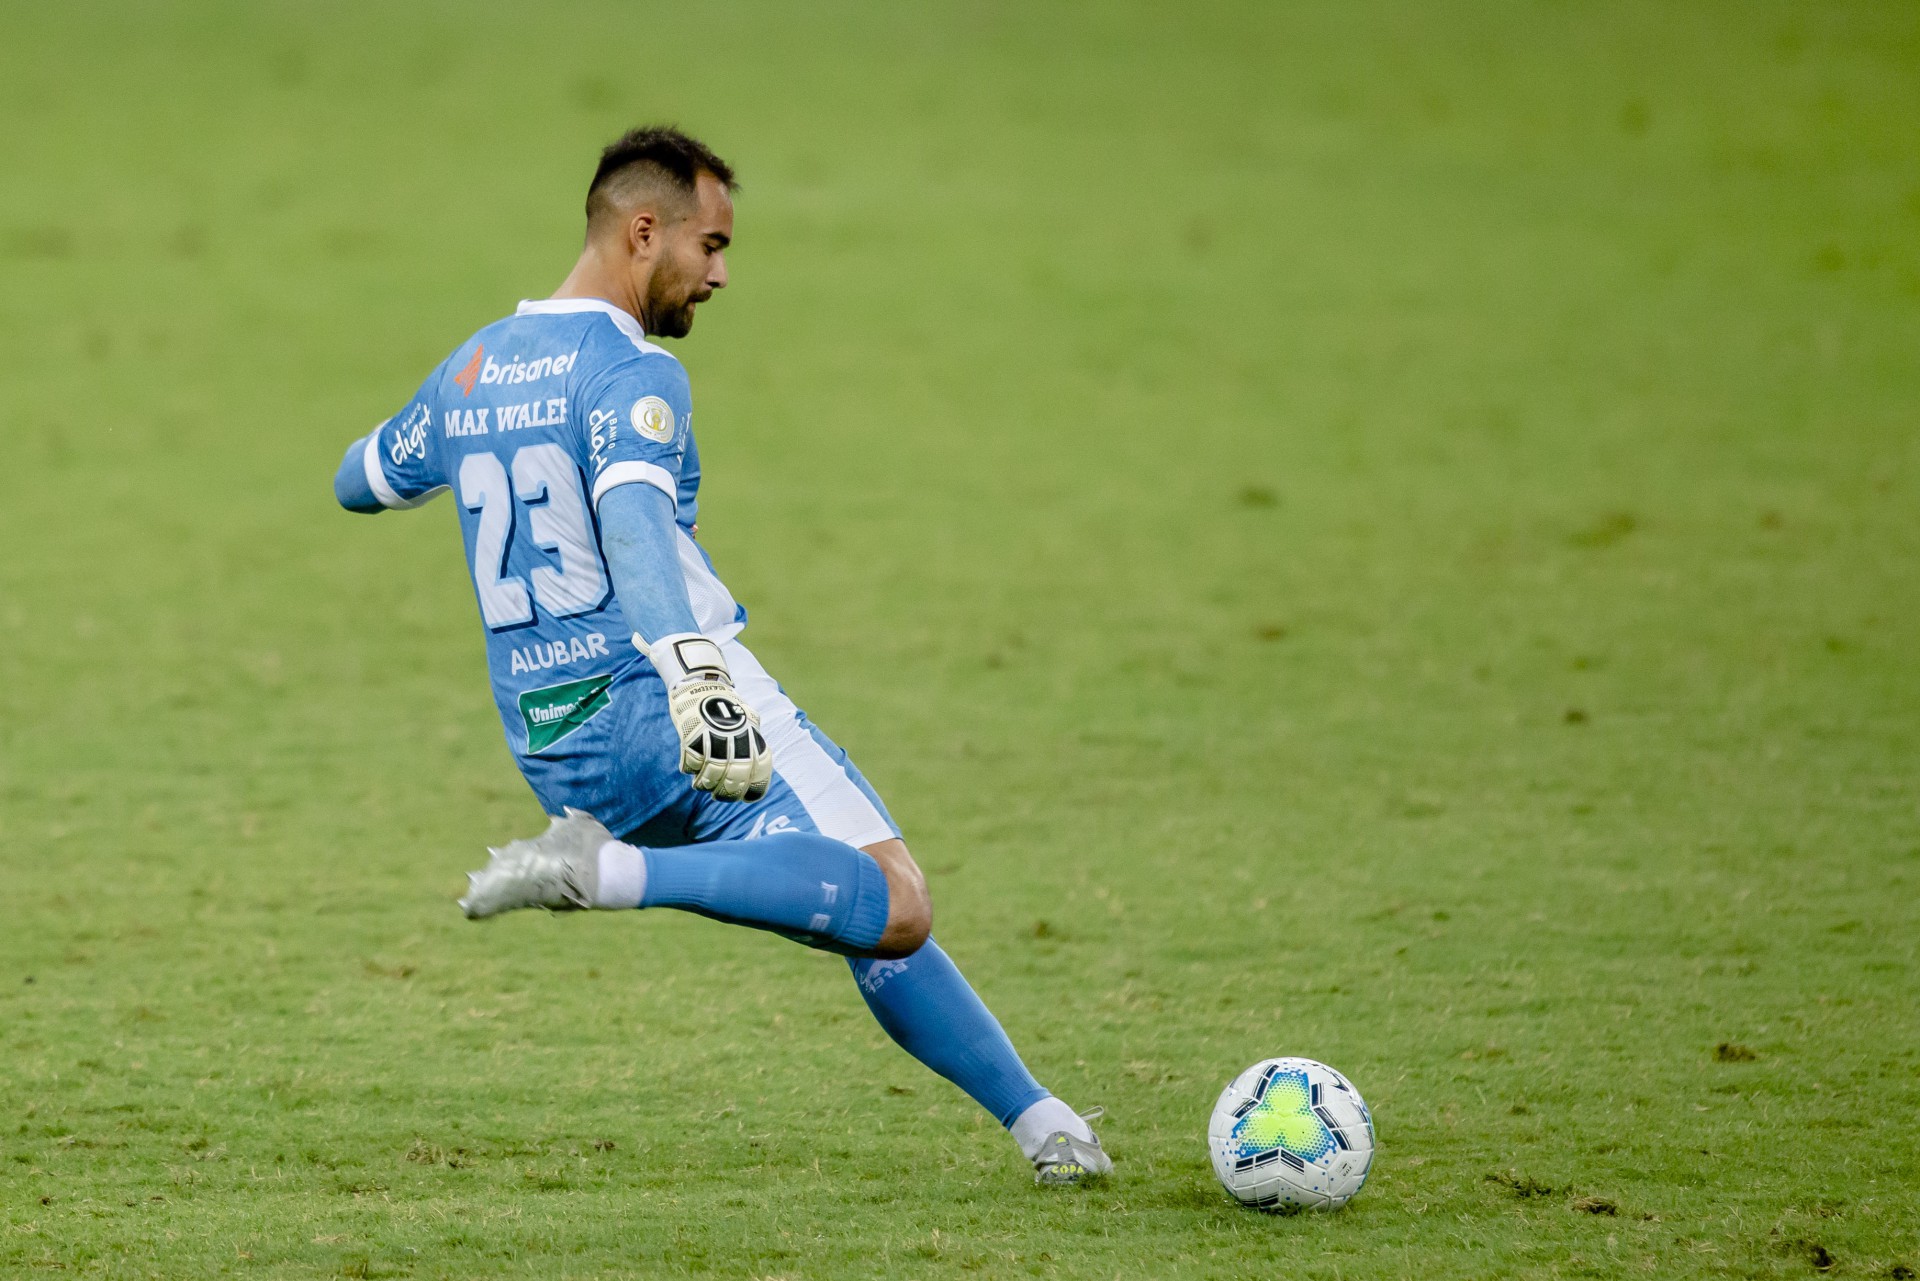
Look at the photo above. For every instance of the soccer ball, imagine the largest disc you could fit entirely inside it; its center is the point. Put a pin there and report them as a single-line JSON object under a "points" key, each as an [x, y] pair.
{"points": [[1291, 1134]]}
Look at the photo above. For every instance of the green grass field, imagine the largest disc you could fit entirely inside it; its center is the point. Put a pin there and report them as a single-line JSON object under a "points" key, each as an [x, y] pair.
{"points": [[1382, 532]]}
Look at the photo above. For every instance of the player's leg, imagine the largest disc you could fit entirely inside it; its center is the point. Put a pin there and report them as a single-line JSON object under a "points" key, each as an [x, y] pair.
{"points": [[789, 880], [793, 881], [776, 874], [785, 875], [777, 862], [930, 1010], [782, 863], [921, 999]]}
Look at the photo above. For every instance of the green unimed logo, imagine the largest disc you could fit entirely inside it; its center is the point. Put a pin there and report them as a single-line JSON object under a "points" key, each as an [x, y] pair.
{"points": [[558, 710]]}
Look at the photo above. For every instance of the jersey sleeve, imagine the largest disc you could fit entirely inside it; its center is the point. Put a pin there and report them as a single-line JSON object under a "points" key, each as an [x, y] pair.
{"points": [[403, 467], [636, 425]]}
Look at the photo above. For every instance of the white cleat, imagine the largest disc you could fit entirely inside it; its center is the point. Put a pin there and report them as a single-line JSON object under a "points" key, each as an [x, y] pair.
{"points": [[558, 870], [1065, 1160]]}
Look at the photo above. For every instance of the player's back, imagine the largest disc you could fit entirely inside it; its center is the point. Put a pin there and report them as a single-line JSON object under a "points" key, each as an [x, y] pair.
{"points": [[528, 423]]}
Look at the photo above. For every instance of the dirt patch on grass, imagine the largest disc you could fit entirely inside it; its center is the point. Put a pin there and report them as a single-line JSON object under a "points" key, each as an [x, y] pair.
{"points": [[1522, 1186]]}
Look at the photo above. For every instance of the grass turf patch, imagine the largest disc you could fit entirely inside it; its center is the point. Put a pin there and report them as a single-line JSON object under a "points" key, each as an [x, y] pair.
{"points": [[1383, 534]]}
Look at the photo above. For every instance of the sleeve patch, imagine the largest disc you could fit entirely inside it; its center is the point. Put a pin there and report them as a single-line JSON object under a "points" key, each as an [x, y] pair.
{"points": [[652, 417]]}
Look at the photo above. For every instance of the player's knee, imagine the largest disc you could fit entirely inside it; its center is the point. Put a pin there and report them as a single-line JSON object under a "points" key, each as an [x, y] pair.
{"points": [[906, 934], [908, 925], [909, 908]]}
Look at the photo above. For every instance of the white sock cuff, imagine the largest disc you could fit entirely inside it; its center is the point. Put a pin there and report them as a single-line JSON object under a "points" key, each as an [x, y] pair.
{"points": [[1031, 1128], [623, 876]]}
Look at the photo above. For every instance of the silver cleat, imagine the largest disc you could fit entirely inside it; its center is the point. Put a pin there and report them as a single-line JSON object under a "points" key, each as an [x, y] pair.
{"points": [[558, 870], [1065, 1160]]}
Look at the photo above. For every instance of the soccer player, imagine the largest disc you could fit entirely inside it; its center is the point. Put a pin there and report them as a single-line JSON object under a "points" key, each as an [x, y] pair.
{"points": [[566, 436]]}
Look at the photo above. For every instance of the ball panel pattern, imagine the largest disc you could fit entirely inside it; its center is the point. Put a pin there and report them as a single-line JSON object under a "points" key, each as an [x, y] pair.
{"points": [[1291, 1133]]}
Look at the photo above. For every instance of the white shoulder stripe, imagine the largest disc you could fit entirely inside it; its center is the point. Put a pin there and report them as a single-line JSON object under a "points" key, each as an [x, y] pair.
{"points": [[622, 321], [633, 471]]}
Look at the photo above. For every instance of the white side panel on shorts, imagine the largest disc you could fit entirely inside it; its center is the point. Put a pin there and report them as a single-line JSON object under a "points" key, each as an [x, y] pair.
{"points": [[833, 801]]}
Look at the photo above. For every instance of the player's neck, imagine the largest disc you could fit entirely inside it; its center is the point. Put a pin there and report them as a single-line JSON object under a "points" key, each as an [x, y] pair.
{"points": [[592, 278]]}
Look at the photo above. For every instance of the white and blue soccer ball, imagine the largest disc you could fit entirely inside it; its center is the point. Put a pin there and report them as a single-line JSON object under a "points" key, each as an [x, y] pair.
{"points": [[1291, 1134]]}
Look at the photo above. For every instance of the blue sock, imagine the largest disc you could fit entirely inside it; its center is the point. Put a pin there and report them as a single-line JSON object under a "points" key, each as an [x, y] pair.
{"points": [[811, 888], [925, 1005]]}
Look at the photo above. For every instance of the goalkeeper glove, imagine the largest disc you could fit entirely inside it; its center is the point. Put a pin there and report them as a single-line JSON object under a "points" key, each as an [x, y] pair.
{"points": [[720, 740]]}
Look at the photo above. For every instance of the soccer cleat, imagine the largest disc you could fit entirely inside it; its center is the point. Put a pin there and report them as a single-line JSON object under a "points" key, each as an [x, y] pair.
{"points": [[558, 870], [1065, 1160]]}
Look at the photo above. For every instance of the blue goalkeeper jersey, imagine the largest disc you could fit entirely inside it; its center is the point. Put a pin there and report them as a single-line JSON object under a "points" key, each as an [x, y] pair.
{"points": [[529, 423]]}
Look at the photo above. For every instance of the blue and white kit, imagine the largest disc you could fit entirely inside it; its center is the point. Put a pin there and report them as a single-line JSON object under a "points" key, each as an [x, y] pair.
{"points": [[532, 423], [567, 440]]}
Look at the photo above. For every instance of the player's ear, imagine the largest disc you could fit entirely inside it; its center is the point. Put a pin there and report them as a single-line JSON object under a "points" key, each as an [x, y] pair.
{"points": [[642, 229]]}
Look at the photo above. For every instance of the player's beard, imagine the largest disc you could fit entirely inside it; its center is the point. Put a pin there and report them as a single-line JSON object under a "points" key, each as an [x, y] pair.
{"points": [[670, 304]]}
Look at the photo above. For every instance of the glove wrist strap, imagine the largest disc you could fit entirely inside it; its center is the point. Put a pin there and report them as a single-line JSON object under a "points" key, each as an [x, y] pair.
{"points": [[684, 656]]}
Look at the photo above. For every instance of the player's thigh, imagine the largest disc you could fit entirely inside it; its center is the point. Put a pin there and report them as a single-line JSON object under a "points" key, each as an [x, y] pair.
{"points": [[803, 796], [816, 786]]}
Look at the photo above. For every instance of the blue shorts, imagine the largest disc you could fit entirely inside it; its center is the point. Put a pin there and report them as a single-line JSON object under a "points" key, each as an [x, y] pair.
{"points": [[816, 787]]}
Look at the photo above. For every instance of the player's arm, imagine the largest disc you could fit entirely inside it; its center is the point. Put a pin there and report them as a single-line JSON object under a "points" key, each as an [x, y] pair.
{"points": [[350, 485], [392, 467], [637, 538], [721, 745], [720, 740]]}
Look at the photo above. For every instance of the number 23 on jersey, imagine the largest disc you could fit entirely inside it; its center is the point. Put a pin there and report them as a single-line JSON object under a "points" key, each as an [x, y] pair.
{"points": [[546, 484]]}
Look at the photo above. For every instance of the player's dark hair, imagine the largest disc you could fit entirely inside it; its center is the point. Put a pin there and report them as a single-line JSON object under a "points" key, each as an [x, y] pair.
{"points": [[660, 153]]}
